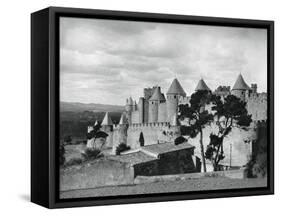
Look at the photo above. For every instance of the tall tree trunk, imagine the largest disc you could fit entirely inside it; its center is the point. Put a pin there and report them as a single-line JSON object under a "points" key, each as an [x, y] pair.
{"points": [[217, 159], [202, 151]]}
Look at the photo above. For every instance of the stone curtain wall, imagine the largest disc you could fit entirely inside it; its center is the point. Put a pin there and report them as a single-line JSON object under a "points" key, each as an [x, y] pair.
{"points": [[99, 173], [153, 133], [237, 145], [257, 107]]}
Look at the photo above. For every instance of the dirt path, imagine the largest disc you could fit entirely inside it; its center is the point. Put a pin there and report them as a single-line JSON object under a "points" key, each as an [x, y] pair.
{"points": [[207, 183]]}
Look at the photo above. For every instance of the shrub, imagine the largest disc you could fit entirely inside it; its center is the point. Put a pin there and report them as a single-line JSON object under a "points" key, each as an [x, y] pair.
{"points": [[257, 166], [74, 161], [121, 147], [91, 153], [180, 140]]}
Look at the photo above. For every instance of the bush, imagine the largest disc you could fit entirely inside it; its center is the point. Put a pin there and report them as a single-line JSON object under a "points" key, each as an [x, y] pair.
{"points": [[180, 140], [121, 147], [90, 154], [74, 161], [257, 166]]}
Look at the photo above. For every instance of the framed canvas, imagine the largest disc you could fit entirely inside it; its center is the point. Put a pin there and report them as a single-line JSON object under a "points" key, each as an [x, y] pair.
{"points": [[132, 107]]}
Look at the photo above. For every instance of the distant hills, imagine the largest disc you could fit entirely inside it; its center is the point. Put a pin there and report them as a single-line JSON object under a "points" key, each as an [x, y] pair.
{"points": [[81, 107]]}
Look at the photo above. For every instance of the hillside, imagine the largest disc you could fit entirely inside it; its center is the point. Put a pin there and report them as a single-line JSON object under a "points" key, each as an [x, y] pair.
{"points": [[81, 107]]}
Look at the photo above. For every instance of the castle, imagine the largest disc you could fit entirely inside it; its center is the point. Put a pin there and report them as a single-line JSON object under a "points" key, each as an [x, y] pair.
{"points": [[153, 120]]}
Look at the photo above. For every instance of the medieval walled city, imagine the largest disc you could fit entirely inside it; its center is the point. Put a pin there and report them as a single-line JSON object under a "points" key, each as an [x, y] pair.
{"points": [[148, 140]]}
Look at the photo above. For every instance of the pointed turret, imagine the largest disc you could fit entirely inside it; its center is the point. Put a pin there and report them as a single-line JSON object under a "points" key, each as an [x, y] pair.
{"points": [[157, 95], [130, 101], [202, 86], [122, 120], [240, 88], [107, 120], [176, 88], [240, 84]]}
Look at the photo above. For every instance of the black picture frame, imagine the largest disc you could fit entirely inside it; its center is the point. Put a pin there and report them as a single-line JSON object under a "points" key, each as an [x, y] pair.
{"points": [[45, 105]]}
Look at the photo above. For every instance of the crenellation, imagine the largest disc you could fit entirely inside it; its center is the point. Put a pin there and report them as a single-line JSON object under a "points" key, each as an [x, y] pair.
{"points": [[154, 117]]}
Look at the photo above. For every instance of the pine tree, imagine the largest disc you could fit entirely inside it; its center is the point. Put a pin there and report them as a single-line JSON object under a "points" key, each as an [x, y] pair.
{"points": [[229, 112], [197, 118]]}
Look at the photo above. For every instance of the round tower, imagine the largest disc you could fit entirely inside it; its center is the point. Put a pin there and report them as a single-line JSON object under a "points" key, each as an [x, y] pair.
{"points": [[129, 108], [240, 88], [141, 110], [153, 106], [120, 133], [175, 91], [107, 127], [154, 102]]}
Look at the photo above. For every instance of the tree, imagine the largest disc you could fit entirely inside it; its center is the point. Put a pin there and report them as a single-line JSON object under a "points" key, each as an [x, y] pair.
{"points": [[197, 118], [141, 139], [228, 113], [96, 133], [180, 140]]}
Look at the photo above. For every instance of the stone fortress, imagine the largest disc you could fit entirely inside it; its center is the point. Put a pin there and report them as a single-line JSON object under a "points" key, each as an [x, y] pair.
{"points": [[153, 120]]}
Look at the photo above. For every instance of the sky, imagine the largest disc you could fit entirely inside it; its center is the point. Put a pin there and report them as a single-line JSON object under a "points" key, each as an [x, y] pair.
{"points": [[107, 61]]}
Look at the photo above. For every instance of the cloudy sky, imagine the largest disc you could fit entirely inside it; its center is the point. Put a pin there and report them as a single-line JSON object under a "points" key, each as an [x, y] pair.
{"points": [[106, 61]]}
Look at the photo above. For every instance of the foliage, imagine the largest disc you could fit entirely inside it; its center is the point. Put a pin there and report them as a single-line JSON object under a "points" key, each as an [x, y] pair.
{"points": [[96, 129], [257, 166], [197, 117], [91, 154], [228, 113], [96, 133], [180, 140], [76, 123], [141, 139], [74, 161], [122, 147], [62, 154]]}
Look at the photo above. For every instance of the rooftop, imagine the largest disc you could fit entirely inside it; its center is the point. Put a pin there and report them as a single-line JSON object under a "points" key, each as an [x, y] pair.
{"points": [[107, 120], [133, 158], [159, 149], [122, 119], [157, 95], [202, 86], [176, 88], [240, 84], [149, 153]]}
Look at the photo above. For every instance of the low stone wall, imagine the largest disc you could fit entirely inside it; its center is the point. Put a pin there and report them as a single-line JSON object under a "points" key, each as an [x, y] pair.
{"points": [[98, 173], [232, 174]]}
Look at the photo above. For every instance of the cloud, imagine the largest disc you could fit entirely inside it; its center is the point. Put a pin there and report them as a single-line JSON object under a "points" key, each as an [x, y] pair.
{"points": [[106, 61]]}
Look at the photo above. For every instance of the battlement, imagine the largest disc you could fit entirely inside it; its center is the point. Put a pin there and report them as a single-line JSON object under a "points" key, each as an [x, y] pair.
{"points": [[148, 92], [152, 124], [260, 122], [258, 96]]}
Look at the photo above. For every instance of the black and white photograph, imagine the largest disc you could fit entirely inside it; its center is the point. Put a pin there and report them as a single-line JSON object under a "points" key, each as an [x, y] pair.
{"points": [[149, 107]]}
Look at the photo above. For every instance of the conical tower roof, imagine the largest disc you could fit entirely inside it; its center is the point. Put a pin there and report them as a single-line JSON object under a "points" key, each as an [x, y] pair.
{"points": [[176, 88], [107, 120], [122, 119], [130, 101], [202, 86], [157, 95], [240, 84]]}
